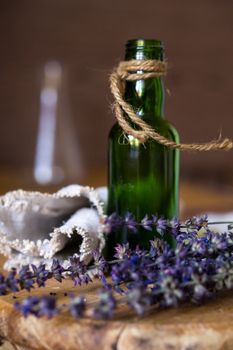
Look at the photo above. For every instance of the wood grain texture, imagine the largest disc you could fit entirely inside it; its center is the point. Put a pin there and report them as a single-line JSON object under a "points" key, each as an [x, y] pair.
{"points": [[207, 327], [188, 327]]}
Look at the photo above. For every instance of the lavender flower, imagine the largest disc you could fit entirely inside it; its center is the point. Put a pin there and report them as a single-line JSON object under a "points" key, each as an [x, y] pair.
{"points": [[38, 306], [157, 246], [172, 293], [11, 281], [197, 222], [116, 222], [57, 270], [174, 226], [113, 223], [225, 274], [3, 286], [28, 306], [102, 267], [106, 305], [139, 300], [41, 274], [47, 307], [78, 271], [26, 278], [100, 261], [200, 265], [122, 250], [160, 224], [77, 306], [130, 222], [146, 223]]}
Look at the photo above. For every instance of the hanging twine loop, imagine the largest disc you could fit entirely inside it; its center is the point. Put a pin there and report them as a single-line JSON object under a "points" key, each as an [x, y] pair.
{"points": [[125, 114]]}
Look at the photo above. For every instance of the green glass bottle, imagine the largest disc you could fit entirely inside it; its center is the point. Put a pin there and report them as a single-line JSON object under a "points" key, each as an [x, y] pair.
{"points": [[142, 178]]}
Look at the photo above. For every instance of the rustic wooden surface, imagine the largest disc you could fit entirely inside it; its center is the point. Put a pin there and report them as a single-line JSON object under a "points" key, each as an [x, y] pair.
{"points": [[192, 328], [188, 327]]}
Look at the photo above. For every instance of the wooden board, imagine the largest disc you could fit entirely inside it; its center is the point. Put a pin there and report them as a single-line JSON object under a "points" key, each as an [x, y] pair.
{"points": [[186, 328]]}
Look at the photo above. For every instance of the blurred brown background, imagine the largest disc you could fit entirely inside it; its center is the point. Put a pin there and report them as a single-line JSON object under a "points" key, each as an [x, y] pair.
{"points": [[88, 38]]}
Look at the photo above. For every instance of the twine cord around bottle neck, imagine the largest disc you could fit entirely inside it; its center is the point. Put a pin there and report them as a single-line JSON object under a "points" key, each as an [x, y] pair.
{"points": [[127, 70]]}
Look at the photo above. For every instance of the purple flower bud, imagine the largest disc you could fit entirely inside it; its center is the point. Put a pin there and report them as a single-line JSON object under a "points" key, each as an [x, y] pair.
{"points": [[28, 306], [130, 222], [122, 250], [11, 281], [77, 306], [41, 274], [57, 270], [160, 224], [197, 222], [139, 300], [78, 271], [174, 226], [113, 223], [47, 307], [26, 280], [38, 306], [106, 305], [147, 223], [3, 286]]}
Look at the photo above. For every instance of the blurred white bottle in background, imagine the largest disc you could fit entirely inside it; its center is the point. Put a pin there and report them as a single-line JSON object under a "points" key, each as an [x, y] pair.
{"points": [[58, 155]]}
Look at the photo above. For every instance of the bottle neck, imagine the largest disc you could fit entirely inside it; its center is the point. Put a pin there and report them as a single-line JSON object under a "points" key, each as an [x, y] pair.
{"points": [[145, 95]]}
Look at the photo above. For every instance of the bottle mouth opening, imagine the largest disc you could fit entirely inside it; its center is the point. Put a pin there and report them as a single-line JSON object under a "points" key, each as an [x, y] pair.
{"points": [[144, 43]]}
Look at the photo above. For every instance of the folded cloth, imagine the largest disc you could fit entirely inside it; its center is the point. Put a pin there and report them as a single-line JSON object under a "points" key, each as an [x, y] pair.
{"points": [[36, 227]]}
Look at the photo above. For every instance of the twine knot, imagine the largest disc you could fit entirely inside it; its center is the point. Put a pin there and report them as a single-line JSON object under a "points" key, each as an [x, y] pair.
{"points": [[144, 69]]}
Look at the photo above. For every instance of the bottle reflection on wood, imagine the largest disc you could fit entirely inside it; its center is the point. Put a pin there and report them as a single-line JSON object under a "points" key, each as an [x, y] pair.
{"points": [[143, 178]]}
